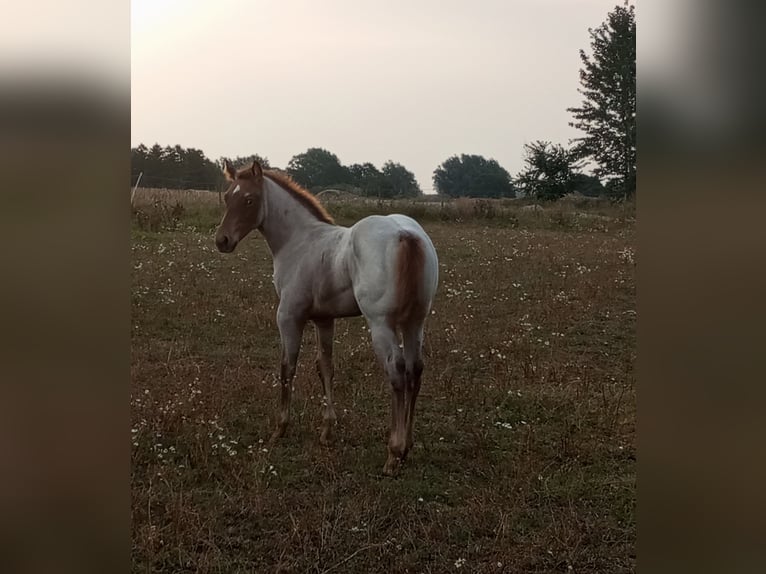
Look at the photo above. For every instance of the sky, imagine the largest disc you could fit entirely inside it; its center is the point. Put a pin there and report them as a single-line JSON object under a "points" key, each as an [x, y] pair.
{"points": [[410, 81]]}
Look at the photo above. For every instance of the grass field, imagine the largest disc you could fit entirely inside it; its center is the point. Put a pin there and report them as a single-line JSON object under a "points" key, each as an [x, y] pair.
{"points": [[524, 457]]}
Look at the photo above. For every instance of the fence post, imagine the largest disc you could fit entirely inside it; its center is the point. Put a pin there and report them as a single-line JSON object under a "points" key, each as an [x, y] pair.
{"points": [[133, 193]]}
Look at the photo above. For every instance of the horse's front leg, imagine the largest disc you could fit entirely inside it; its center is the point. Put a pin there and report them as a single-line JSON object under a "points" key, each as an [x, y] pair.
{"points": [[325, 331], [290, 333]]}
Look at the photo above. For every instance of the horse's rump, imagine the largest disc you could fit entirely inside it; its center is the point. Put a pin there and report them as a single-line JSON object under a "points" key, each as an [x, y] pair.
{"points": [[410, 263]]}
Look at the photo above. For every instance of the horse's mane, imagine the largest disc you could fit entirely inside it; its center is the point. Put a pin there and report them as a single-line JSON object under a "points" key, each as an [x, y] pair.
{"points": [[305, 197]]}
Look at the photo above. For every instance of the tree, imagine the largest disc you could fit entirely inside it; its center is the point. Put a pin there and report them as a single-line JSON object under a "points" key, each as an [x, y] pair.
{"points": [[245, 160], [198, 171], [173, 167], [394, 180], [472, 176], [588, 185], [549, 171], [364, 176], [155, 172], [608, 112], [137, 162], [401, 180], [316, 168]]}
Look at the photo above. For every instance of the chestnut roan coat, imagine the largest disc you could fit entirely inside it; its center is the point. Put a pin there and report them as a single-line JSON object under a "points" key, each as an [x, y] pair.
{"points": [[382, 267]]}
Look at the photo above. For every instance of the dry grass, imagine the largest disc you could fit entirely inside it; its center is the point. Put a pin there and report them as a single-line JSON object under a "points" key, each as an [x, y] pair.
{"points": [[147, 197], [525, 435], [155, 209]]}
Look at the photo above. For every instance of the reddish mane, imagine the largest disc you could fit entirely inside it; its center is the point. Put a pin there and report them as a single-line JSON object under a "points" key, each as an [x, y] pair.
{"points": [[287, 183]]}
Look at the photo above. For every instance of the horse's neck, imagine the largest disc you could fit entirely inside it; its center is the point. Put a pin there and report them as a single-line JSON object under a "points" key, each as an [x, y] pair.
{"points": [[286, 221]]}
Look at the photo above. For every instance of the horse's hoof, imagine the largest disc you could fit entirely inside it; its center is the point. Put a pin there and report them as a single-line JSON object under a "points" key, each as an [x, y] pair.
{"points": [[391, 468], [326, 438], [278, 433]]}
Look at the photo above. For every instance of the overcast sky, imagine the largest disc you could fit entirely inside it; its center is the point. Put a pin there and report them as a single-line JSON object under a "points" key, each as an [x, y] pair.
{"points": [[411, 81]]}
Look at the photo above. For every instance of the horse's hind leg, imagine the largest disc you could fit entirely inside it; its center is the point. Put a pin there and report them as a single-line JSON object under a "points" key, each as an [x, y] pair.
{"points": [[387, 349], [325, 332], [413, 359]]}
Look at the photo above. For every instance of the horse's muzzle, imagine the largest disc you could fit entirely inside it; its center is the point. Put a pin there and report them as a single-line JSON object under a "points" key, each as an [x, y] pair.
{"points": [[224, 243]]}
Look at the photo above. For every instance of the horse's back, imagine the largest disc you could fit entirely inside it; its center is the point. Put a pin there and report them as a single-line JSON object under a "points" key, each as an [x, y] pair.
{"points": [[388, 227], [383, 248], [376, 238]]}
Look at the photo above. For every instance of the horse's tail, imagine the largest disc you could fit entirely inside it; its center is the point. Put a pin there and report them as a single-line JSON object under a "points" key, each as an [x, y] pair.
{"points": [[410, 265]]}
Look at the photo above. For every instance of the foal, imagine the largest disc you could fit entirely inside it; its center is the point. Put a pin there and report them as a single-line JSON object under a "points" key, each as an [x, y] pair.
{"points": [[384, 268]]}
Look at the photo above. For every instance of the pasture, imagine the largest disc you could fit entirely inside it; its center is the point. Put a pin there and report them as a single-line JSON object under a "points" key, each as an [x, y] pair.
{"points": [[524, 455]]}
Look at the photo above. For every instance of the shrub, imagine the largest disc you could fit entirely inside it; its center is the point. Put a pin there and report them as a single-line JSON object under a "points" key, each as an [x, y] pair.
{"points": [[158, 216]]}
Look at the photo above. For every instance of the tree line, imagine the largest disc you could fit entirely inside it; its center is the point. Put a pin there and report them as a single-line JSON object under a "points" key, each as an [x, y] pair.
{"points": [[607, 118], [316, 169]]}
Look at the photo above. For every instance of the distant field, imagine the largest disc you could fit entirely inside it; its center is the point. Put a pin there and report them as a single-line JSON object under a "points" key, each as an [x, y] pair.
{"points": [[524, 457], [156, 209]]}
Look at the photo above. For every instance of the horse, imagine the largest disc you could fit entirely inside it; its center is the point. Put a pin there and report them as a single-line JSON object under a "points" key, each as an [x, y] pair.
{"points": [[382, 267]]}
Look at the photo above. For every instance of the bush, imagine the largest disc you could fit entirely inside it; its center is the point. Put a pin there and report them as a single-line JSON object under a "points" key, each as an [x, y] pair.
{"points": [[158, 216], [562, 219], [484, 209]]}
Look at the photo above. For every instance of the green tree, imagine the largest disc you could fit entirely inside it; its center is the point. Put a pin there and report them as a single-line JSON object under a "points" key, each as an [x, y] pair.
{"points": [[472, 176], [588, 185], [245, 160], [549, 171], [360, 172], [608, 112], [316, 168], [155, 170], [401, 180], [364, 176], [138, 157], [173, 167], [198, 171]]}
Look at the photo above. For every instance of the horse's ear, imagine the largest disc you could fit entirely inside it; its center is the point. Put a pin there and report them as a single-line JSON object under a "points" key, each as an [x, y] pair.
{"points": [[256, 169], [228, 170]]}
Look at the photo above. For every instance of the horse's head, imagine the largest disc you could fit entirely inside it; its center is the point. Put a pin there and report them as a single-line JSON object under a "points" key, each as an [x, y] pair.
{"points": [[244, 211]]}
